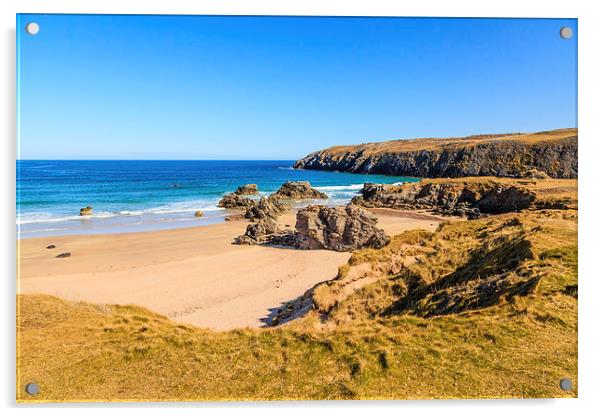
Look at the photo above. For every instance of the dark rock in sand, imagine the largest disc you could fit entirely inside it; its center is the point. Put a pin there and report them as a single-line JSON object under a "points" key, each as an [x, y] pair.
{"points": [[234, 201], [85, 211], [265, 229], [51, 246], [248, 189], [299, 190], [63, 255], [258, 232], [340, 229], [234, 217]]}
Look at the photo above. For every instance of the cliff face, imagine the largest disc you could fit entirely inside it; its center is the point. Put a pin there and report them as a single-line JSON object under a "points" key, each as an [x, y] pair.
{"points": [[553, 153]]}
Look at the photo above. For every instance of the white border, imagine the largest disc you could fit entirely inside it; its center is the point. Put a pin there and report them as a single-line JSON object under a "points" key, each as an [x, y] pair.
{"points": [[590, 145]]}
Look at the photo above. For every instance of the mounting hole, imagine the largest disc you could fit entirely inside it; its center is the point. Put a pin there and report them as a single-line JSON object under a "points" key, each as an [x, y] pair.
{"points": [[566, 32], [566, 384], [32, 389], [32, 28]]}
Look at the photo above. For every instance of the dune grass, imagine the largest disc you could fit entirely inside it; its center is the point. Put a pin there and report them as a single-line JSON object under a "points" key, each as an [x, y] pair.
{"points": [[389, 339], [84, 353]]}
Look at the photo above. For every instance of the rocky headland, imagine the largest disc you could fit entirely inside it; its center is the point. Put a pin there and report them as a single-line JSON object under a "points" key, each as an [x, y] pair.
{"points": [[553, 153]]}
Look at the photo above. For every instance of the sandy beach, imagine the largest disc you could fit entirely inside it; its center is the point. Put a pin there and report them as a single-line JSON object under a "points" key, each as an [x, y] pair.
{"points": [[193, 275]]}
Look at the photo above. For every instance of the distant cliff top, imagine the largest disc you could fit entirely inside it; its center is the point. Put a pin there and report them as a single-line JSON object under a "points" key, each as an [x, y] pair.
{"points": [[506, 155], [408, 145]]}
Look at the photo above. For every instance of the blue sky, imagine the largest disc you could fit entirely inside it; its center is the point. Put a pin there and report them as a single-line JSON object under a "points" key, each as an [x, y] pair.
{"points": [[203, 87]]}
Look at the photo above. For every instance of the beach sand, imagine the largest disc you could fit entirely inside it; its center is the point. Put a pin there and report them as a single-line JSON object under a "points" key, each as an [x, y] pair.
{"points": [[192, 275]]}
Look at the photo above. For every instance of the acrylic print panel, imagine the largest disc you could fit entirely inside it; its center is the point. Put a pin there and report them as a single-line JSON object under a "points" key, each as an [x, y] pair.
{"points": [[295, 208]]}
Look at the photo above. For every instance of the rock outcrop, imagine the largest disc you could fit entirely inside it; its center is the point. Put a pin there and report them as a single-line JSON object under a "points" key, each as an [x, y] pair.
{"points": [[317, 227], [266, 207], [554, 153], [235, 201], [466, 198], [85, 211], [248, 189], [258, 232], [340, 229], [264, 228], [299, 190]]}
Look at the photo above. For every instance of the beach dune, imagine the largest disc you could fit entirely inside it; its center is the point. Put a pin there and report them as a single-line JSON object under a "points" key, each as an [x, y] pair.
{"points": [[193, 275]]}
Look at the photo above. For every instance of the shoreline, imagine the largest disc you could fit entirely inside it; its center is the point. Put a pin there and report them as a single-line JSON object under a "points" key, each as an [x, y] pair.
{"points": [[155, 195], [193, 275], [89, 225], [147, 222], [217, 216]]}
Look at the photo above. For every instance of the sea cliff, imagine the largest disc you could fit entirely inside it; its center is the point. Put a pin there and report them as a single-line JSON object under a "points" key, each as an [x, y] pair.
{"points": [[553, 153]]}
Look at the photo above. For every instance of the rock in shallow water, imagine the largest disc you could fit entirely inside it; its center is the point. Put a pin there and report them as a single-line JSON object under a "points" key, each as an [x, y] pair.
{"points": [[248, 189], [299, 190], [85, 211], [234, 201]]}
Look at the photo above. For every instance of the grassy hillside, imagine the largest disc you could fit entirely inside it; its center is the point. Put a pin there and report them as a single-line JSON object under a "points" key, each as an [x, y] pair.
{"points": [[483, 308]]}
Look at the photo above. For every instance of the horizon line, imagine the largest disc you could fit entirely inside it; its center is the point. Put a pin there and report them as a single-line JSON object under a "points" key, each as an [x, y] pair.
{"points": [[159, 160]]}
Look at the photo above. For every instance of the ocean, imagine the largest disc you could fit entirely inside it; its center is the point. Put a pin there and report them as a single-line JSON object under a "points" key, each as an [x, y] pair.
{"points": [[136, 195]]}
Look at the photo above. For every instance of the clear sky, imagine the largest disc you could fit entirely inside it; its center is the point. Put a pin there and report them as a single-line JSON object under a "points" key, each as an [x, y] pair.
{"points": [[202, 87]]}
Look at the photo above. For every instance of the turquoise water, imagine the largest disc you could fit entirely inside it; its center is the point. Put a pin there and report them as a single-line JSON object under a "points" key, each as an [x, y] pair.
{"points": [[149, 195]]}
